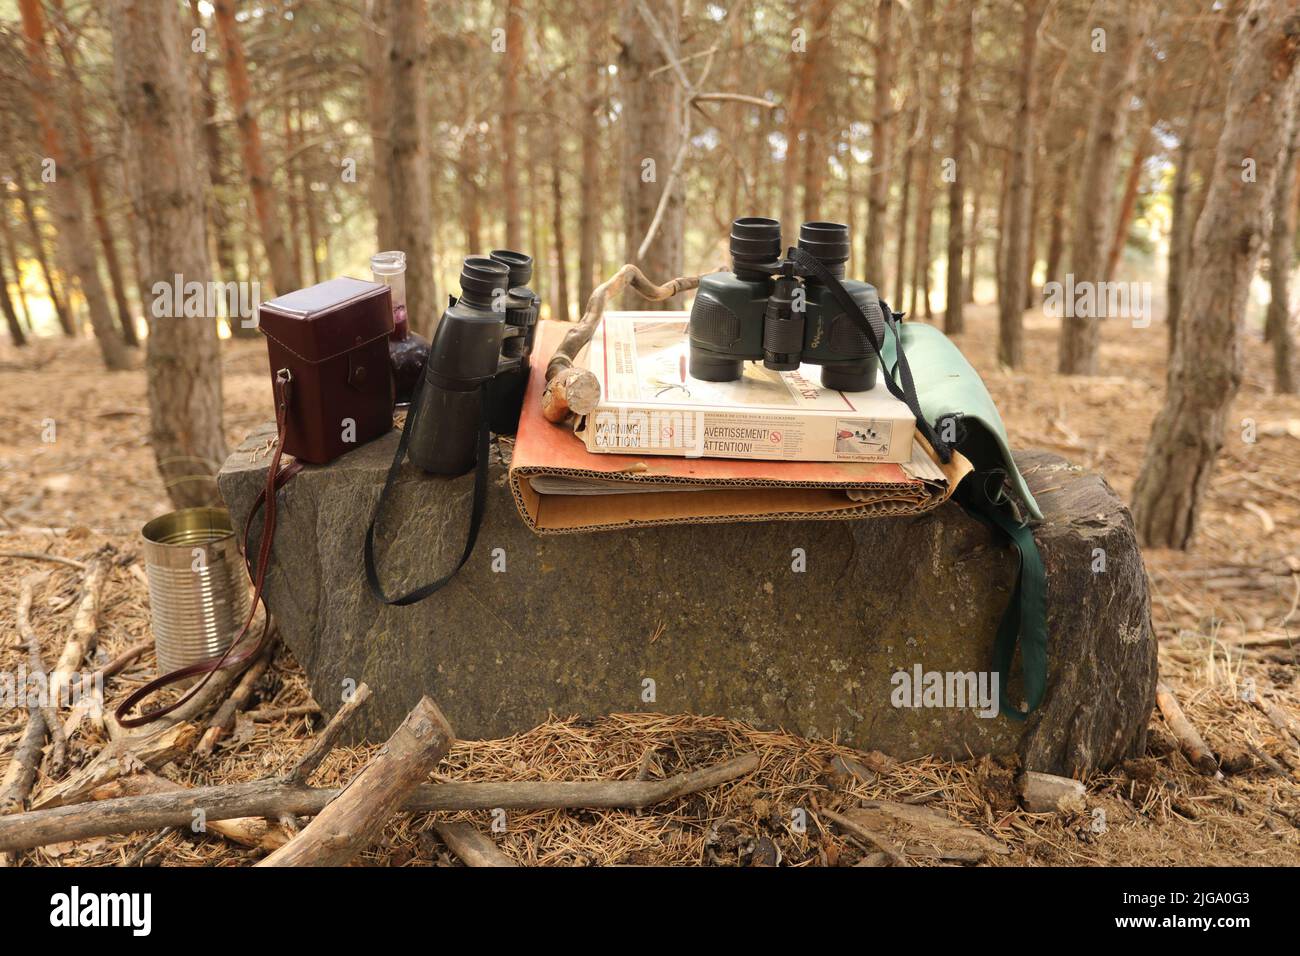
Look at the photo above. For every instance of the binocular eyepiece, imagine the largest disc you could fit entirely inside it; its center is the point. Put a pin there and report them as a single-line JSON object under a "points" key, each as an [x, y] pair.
{"points": [[756, 245], [484, 341], [770, 309]]}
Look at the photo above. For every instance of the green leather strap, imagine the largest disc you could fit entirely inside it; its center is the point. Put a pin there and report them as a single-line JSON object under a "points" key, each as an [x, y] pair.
{"points": [[1024, 621]]}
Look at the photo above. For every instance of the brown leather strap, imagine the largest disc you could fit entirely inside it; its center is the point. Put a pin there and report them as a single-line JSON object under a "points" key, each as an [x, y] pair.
{"points": [[275, 479]]}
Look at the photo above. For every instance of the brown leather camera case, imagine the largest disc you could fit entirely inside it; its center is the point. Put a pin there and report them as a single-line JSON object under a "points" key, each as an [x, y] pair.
{"points": [[333, 339]]}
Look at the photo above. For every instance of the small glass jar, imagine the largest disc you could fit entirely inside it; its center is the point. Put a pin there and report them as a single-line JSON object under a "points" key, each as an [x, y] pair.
{"points": [[406, 350]]}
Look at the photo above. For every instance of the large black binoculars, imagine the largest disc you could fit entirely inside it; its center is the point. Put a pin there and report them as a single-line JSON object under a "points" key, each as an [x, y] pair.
{"points": [[771, 308], [478, 363]]}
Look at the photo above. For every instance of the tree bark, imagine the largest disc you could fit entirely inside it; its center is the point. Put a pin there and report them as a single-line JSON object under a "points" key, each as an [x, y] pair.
{"points": [[309, 204], [164, 171], [375, 46], [1019, 222], [284, 274], [881, 123], [88, 165], [219, 221], [61, 307], [954, 299], [9, 255], [1056, 230], [1205, 368], [1128, 202], [593, 104], [560, 294], [901, 284], [71, 240], [652, 121], [974, 235], [11, 314], [510, 122], [408, 157], [1094, 203], [925, 181], [1281, 251]]}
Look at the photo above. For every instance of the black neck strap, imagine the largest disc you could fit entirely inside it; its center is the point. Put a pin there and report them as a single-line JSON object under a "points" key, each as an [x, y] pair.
{"points": [[476, 510], [875, 333]]}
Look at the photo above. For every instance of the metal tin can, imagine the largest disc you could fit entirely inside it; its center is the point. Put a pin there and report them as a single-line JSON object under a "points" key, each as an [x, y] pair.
{"points": [[198, 588]]}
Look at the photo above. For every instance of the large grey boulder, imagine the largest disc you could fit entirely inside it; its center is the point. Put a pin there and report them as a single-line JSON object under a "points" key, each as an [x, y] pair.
{"points": [[708, 619]]}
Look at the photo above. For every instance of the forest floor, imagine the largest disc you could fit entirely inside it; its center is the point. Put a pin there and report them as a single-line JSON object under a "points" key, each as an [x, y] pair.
{"points": [[1225, 613]]}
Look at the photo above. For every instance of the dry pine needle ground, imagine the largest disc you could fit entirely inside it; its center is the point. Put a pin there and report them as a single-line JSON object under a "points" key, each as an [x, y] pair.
{"points": [[1225, 613]]}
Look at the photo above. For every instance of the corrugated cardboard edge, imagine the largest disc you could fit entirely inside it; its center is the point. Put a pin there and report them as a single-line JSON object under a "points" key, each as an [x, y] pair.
{"points": [[740, 499]]}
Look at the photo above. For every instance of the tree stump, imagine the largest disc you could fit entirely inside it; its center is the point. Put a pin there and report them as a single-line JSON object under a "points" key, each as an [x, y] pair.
{"points": [[709, 619]]}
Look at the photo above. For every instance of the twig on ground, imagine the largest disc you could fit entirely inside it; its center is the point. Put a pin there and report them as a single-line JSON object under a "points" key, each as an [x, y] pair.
{"points": [[273, 798], [471, 845], [325, 741], [224, 718], [355, 820], [42, 556], [852, 826], [1189, 739]]}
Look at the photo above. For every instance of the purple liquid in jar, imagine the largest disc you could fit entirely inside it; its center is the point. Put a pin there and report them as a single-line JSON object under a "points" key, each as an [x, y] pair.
{"points": [[400, 325]]}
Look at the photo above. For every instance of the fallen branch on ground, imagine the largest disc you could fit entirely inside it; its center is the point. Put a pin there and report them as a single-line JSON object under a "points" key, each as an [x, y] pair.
{"points": [[42, 556], [1189, 739], [273, 798], [328, 737], [355, 820], [471, 845], [81, 641], [224, 718], [871, 836], [254, 832]]}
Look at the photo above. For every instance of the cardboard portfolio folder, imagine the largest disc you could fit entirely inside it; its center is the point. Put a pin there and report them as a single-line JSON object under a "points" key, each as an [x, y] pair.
{"points": [[560, 487]]}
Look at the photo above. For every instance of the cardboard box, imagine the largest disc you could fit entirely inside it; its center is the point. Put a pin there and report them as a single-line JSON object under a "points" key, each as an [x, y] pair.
{"points": [[650, 405], [561, 488]]}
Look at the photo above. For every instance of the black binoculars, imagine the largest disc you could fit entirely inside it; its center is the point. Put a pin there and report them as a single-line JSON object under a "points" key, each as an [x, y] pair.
{"points": [[478, 363], [769, 308]]}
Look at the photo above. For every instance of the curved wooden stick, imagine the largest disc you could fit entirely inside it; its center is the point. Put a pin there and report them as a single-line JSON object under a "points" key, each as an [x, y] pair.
{"points": [[572, 390]]}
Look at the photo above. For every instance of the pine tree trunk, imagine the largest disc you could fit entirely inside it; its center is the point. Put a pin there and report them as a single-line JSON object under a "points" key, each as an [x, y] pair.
{"points": [[293, 198], [904, 222], [974, 234], [9, 254], [589, 198], [88, 166], [375, 45], [471, 193], [71, 241], [1205, 368], [1281, 252], [652, 135], [309, 206], [165, 173], [284, 273], [1128, 202], [1031, 230], [218, 220], [881, 170], [1056, 231], [61, 308], [560, 296], [925, 179], [11, 314], [954, 298], [510, 105], [1094, 203], [408, 157], [1020, 190]]}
